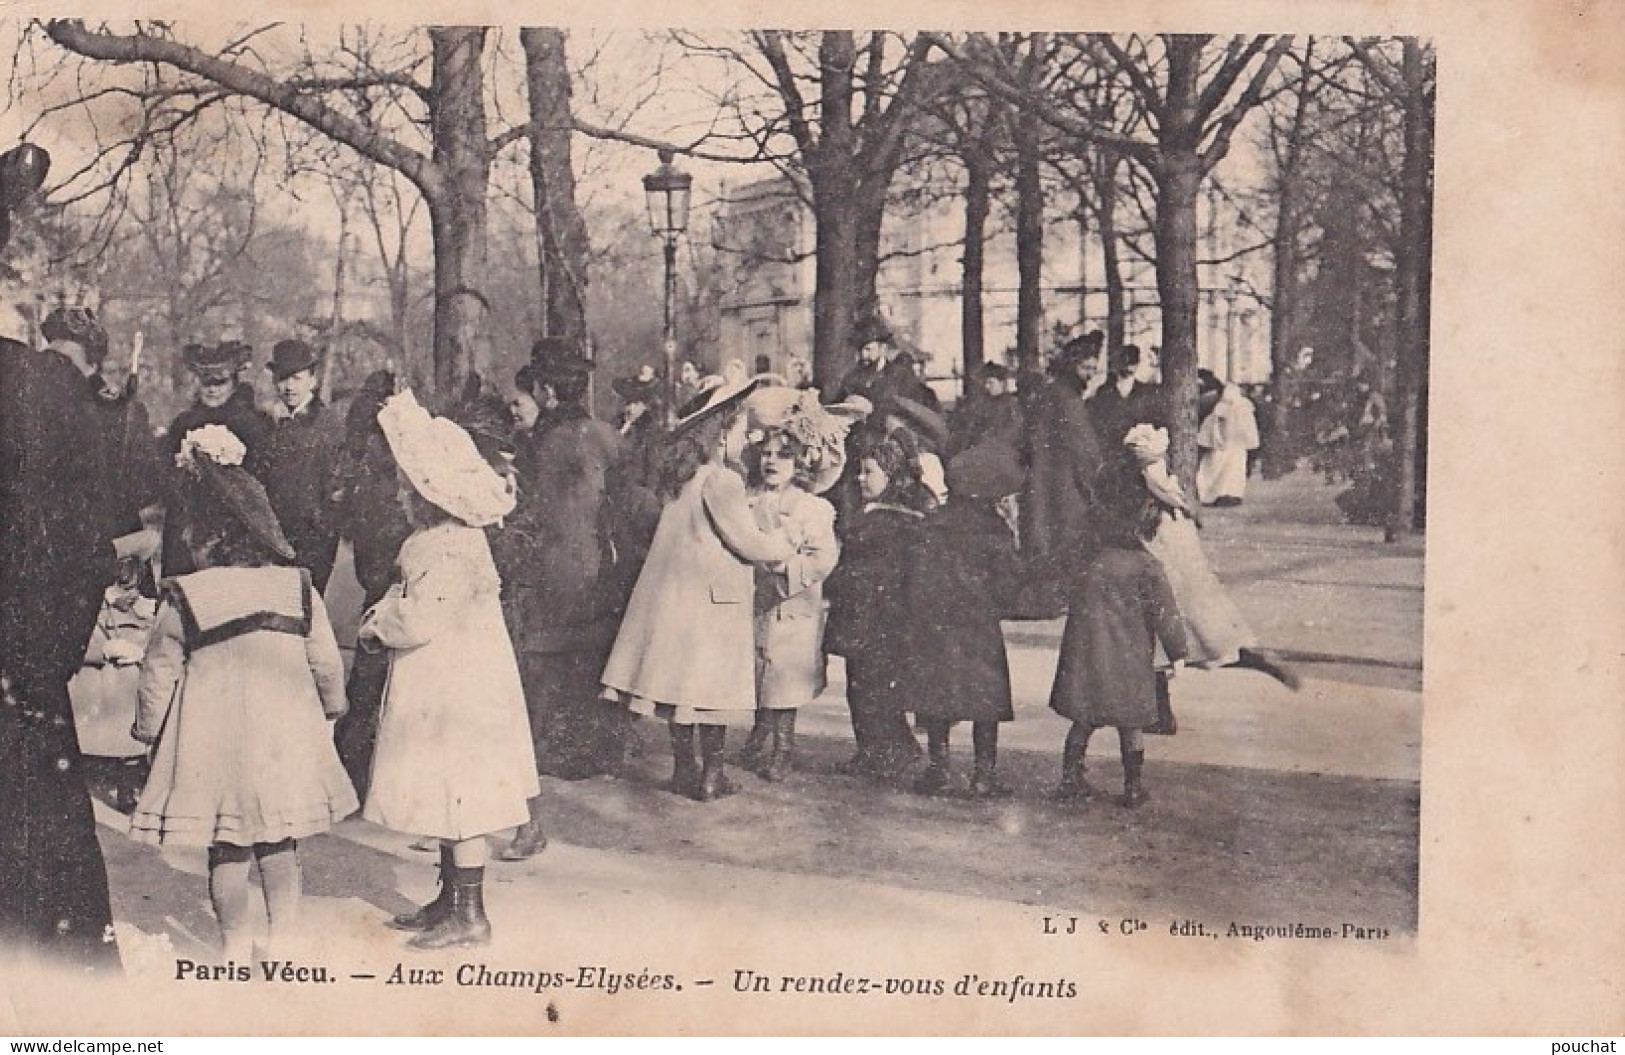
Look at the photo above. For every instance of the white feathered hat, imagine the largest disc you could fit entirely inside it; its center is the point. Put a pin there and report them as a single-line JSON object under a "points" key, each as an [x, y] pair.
{"points": [[442, 463]]}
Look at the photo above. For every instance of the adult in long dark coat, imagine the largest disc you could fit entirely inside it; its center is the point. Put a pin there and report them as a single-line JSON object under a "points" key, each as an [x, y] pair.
{"points": [[222, 399], [56, 557], [1128, 398], [371, 518], [301, 461], [1064, 459], [556, 554]]}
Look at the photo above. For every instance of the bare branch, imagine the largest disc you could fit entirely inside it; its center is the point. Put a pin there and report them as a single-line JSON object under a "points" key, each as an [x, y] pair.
{"points": [[312, 110]]}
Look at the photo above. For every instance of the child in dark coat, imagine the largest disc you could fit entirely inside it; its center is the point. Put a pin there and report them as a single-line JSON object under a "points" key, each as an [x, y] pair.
{"points": [[868, 615], [963, 579], [1123, 606]]}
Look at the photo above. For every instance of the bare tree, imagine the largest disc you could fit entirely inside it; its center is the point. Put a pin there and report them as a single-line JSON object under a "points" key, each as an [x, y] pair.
{"points": [[1194, 98]]}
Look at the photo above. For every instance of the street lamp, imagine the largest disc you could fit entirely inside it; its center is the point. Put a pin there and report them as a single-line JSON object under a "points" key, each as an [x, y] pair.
{"points": [[667, 191]]}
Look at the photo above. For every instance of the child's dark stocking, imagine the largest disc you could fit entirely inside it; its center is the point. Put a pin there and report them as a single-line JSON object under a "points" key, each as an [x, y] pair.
{"points": [[1074, 784], [984, 782], [685, 773], [935, 779], [783, 723], [714, 782], [228, 893], [1132, 745], [280, 878]]}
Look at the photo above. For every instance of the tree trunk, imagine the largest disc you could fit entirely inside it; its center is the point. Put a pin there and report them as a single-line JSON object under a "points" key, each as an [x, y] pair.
{"points": [[561, 234], [869, 212], [1415, 236], [978, 203], [457, 212], [1029, 243], [835, 298], [1105, 180], [1179, 186]]}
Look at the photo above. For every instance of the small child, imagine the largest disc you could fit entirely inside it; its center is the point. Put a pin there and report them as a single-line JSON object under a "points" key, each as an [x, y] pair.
{"points": [[239, 679], [868, 616], [797, 453], [965, 577], [1123, 607], [454, 759]]}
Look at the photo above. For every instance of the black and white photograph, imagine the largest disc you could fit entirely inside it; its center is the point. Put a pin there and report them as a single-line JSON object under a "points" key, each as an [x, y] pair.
{"points": [[583, 528]]}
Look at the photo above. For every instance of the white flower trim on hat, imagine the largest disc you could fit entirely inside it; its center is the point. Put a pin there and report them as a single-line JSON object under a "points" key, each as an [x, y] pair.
{"points": [[216, 442], [442, 463], [1147, 442]]}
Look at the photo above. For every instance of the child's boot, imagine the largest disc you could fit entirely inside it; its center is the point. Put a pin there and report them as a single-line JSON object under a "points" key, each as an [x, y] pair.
{"points": [[714, 782], [1074, 785], [755, 752], [936, 779], [784, 742], [436, 911], [984, 781], [1134, 793], [685, 774], [466, 925]]}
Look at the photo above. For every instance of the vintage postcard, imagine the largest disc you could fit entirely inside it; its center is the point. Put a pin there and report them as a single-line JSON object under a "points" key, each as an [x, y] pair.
{"points": [[1031, 519]]}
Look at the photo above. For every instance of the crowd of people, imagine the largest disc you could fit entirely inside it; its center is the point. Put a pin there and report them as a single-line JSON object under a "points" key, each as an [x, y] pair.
{"points": [[534, 580]]}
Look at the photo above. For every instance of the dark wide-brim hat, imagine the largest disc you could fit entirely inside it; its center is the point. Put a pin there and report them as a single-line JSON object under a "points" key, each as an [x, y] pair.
{"points": [[722, 399], [1083, 347], [869, 330], [990, 470], [220, 360], [235, 492], [78, 325], [291, 356], [488, 421], [921, 418], [557, 358], [637, 390]]}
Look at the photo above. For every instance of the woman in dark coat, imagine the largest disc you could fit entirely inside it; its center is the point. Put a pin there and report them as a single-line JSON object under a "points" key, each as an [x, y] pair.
{"points": [[964, 578], [56, 558], [1064, 456], [371, 518], [222, 399], [1128, 398], [869, 610]]}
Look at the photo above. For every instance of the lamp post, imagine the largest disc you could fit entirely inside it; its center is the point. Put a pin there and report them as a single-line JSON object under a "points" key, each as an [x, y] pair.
{"points": [[667, 190]]}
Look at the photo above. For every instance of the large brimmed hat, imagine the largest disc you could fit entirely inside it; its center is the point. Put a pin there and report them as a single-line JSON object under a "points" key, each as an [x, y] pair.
{"points": [[556, 358], [1085, 347], [719, 399], [291, 356], [990, 470], [921, 418], [78, 325], [637, 389], [821, 430], [442, 463], [869, 330], [216, 361], [213, 455]]}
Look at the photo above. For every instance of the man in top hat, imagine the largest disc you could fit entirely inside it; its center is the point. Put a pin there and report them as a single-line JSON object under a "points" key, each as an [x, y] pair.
{"points": [[223, 398], [56, 558], [302, 459]]}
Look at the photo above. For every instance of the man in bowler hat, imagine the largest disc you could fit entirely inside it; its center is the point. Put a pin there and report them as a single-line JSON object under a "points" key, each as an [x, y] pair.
{"points": [[303, 458]]}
